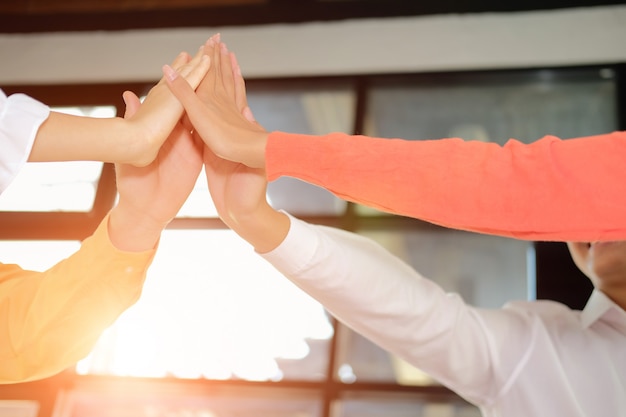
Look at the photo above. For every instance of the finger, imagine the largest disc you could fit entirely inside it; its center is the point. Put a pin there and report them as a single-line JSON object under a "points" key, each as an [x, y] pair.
{"points": [[180, 60], [216, 58], [185, 69], [240, 87], [195, 70], [241, 99], [186, 95], [132, 103], [210, 43], [191, 61], [227, 78], [206, 87]]}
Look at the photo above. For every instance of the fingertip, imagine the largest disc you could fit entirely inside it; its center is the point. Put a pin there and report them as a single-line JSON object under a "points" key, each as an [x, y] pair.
{"points": [[170, 73], [130, 102]]}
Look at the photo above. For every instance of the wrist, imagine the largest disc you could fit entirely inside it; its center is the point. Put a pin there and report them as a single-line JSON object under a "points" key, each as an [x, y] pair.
{"points": [[136, 148], [259, 150], [264, 229], [130, 231]]}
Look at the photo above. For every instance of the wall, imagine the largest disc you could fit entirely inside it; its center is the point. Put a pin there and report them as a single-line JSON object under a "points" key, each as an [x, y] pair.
{"points": [[435, 43]]}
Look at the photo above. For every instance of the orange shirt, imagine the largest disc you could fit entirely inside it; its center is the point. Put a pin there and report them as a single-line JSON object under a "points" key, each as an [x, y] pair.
{"points": [[551, 189], [52, 319]]}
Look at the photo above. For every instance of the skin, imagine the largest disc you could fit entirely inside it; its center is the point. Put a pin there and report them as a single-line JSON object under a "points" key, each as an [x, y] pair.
{"points": [[150, 196], [238, 191], [604, 263], [226, 128], [132, 140]]}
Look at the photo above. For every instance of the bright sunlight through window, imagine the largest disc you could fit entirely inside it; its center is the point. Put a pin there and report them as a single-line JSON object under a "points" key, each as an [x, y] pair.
{"points": [[212, 308]]}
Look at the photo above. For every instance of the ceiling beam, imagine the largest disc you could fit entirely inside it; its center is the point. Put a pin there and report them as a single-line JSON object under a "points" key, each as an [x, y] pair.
{"points": [[28, 16]]}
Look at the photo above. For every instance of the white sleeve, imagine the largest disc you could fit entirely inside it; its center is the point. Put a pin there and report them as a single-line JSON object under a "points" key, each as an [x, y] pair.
{"points": [[387, 301], [20, 118]]}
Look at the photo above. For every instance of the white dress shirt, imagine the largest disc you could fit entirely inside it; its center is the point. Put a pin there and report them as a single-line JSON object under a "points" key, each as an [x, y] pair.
{"points": [[527, 359], [20, 118]]}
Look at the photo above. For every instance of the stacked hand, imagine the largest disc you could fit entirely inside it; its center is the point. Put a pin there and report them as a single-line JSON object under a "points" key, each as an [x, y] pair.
{"points": [[235, 148], [150, 195]]}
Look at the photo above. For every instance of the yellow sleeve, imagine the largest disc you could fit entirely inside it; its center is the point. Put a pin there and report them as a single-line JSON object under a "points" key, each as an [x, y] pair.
{"points": [[50, 320]]}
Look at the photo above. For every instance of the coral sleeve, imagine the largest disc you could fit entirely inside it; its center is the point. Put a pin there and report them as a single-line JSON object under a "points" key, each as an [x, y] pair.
{"points": [[551, 189]]}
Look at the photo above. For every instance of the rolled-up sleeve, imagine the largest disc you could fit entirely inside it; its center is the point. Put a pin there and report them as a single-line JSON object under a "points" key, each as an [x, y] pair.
{"points": [[20, 119]]}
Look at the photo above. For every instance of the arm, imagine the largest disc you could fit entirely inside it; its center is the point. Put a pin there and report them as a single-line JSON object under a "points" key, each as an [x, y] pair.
{"points": [[134, 140], [548, 190], [370, 290], [473, 352], [564, 190], [50, 320]]}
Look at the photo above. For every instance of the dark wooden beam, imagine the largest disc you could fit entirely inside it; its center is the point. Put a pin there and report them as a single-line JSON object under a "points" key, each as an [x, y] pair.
{"points": [[137, 15]]}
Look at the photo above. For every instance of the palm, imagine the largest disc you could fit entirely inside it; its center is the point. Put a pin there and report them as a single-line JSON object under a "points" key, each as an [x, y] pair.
{"points": [[159, 189], [236, 186]]}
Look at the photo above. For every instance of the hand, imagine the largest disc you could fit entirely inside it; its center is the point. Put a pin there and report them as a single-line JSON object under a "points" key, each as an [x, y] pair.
{"points": [[238, 191], [160, 111], [219, 112], [151, 196], [135, 140]]}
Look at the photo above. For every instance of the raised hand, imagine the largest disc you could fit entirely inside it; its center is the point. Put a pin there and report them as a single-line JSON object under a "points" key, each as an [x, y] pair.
{"points": [[151, 196], [135, 140], [160, 110], [219, 112], [238, 191]]}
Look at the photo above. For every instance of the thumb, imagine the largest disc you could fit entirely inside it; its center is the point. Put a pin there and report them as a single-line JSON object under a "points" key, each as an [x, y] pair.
{"points": [[132, 103], [181, 89]]}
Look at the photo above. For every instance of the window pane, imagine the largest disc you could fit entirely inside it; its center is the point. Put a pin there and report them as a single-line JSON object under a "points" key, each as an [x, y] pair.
{"points": [[57, 186], [199, 202], [486, 271], [36, 255], [400, 405], [308, 110], [494, 109], [522, 108], [212, 308], [53, 186]]}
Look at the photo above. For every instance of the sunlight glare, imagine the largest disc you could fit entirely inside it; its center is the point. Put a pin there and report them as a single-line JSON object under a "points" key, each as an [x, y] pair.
{"points": [[211, 308]]}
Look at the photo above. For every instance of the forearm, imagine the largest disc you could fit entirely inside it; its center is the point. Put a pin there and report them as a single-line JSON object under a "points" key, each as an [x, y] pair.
{"points": [[384, 299], [50, 320], [64, 137], [133, 231], [264, 229], [548, 190]]}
